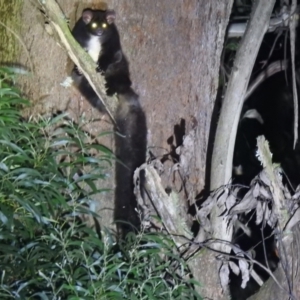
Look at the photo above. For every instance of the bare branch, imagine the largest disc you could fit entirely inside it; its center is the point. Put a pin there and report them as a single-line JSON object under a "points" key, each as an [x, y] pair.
{"points": [[230, 113], [293, 22], [167, 206], [236, 91]]}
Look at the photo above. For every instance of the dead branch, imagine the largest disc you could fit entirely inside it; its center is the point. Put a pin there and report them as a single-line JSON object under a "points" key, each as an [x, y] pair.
{"points": [[272, 172], [167, 206]]}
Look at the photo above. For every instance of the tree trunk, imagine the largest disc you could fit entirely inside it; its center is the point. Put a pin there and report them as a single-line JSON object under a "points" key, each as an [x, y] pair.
{"points": [[174, 50]]}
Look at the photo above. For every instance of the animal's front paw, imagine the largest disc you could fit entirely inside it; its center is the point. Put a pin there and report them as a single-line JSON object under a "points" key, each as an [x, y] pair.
{"points": [[77, 71], [110, 91], [99, 70]]}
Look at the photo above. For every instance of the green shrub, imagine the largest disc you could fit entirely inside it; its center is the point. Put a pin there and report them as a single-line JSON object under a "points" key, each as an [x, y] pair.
{"points": [[46, 251]]}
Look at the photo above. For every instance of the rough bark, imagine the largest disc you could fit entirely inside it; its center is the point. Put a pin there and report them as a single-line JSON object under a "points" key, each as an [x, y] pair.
{"points": [[9, 28], [170, 46], [177, 78]]}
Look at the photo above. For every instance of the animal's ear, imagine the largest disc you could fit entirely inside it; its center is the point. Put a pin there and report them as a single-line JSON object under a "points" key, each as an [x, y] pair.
{"points": [[87, 16], [110, 16]]}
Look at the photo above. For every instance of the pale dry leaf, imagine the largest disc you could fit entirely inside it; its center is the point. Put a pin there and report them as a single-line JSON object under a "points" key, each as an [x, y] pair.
{"points": [[232, 199], [239, 225], [264, 178], [272, 219], [204, 211], [245, 271], [267, 212], [256, 277], [287, 193], [248, 203], [219, 192], [243, 266], [221, 196], [237, 250], [234, 267], [255, 190], [207, 206], [259, 213], [297, 192], [293, 221], [222, 200], [224, 276], [265, 192]]}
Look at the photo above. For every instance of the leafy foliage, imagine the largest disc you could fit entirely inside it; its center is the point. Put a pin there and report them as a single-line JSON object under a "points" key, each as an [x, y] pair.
{"points": [[47, 182]]}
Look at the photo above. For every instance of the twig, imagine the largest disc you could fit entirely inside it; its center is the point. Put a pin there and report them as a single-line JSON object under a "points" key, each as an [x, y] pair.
{"points": [[273, 68], [295, 96]]}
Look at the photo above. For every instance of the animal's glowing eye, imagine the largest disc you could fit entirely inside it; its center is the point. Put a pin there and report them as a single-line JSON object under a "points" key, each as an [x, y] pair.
{"points": [[104, 25], [94, 25]]}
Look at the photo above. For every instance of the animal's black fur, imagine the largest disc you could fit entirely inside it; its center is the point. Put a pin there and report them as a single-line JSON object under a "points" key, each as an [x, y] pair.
{"points": [[96, 32], [131, 143]]}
